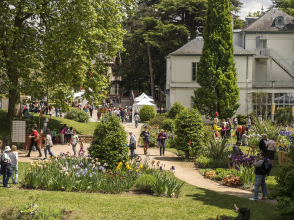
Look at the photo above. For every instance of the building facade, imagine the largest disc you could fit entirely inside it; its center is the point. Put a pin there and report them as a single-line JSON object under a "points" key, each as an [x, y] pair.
{"points": [[264, 57]]}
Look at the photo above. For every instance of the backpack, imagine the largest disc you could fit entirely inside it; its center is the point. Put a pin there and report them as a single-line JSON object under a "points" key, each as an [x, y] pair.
{"points": [[267, 166]]}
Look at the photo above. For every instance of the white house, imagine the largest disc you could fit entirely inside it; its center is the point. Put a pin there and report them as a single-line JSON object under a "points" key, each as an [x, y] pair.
{"points": [[264, 56]]}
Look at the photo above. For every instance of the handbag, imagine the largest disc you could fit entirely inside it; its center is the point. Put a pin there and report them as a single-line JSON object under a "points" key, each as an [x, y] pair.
{"points": [[50, 143], [159, 144], [132, 146]]}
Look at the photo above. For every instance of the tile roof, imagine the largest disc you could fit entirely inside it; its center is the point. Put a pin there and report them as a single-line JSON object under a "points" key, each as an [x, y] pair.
{"points": [[266, 22], [194, 47]]}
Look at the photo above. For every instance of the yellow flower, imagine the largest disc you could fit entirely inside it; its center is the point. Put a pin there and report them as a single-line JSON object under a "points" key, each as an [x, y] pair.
{"points": [[137, 171], [118, 167], [127, 163]]}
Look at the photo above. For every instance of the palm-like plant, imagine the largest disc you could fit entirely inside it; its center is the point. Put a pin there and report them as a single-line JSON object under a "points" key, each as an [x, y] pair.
{"points": [[217, 148]]}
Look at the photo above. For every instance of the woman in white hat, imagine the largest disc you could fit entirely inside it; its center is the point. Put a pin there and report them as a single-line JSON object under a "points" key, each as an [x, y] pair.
{"points": [[5, 167]]}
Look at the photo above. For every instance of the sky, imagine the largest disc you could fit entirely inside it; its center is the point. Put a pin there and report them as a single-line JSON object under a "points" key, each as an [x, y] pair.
{"points": [[251, 6]]}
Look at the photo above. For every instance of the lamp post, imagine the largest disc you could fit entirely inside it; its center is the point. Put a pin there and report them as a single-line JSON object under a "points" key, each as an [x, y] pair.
{"points": [[159, 97]]}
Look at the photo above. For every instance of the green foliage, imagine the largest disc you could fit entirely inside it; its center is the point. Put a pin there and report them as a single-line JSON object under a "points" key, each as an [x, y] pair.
{"points": [[246, 174], [283, 115], [147, 112], [59, 43], [267, 128], [109, 142], [242, 119], [238, 22], [77, 115], [254, 14], [283, 191], [169, 125], [206, 162], [189, 131], [176, 108], [217, 149], [144, 182], [217, 73], [286, 6], [157, 121]]}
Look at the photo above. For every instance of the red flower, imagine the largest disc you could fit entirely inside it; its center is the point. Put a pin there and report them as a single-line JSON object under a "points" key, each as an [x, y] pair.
{"points": [[189, 142]]}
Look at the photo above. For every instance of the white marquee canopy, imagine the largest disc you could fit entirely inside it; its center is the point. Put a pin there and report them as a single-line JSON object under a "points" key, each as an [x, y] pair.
{"points": [[143, 96], [139, 105]]}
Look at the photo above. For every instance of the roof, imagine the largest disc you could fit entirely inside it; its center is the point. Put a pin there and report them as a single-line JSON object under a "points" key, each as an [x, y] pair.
{"points": [[266, 22], [194, 47]]}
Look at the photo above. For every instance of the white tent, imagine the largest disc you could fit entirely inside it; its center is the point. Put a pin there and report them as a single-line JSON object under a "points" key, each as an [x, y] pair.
{"points": [[143, 96], [139, 105]]}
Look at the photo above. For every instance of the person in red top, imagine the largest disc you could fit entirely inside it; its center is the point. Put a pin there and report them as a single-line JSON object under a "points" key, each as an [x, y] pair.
{"points": [[240, 131], [34, 135]]}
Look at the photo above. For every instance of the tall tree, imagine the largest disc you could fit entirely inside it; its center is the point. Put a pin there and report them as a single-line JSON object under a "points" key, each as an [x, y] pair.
{"points": [[254, 14], [60, 39], [217, 73], [286, 6]]}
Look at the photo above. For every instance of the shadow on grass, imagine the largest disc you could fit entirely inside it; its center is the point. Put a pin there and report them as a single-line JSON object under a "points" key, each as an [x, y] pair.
{"points": [[259, 209]]}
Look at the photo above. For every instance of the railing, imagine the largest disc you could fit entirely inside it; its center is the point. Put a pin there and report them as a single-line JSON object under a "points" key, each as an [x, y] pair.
{"points": [[272, 84], [115, 78], [262, 52], [283, 63]]}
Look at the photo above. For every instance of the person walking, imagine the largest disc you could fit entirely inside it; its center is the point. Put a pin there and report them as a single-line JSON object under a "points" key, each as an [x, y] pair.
{"points": [[34, 141], [137, 118], [260, 177], [56, 111], [132, 145], [161, 141], [122, 115], [13, 156], [91, 111], [271, 149], [235, 122], [146, 139], [47, 145], [62, 133], [262, 144], [74, 142]]}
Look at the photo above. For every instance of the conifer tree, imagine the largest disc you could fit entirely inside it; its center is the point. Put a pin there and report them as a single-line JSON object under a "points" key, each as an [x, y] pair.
{"points": [[217, 73]]}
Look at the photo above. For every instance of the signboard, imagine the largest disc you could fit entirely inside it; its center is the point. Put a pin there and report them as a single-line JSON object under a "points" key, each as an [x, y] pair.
{"points": [[293, 111], [273, 108], [18, 133]]}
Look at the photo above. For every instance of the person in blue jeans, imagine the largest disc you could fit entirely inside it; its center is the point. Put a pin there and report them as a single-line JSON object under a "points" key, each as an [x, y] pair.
{"points": [[56, 111], [47, 143], [13, 156], [137, 118], [5, 167], [260, 178], [132, 145]]}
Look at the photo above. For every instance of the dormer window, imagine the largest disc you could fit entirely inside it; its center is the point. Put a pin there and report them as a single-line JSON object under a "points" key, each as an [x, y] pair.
{"points": [[280, 21]]}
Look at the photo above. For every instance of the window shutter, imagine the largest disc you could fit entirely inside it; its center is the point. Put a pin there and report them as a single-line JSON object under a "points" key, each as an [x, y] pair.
{"points": [[258, 42]]}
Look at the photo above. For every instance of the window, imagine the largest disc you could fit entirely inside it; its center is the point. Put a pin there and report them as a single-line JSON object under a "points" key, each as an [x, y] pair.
{"points": [[194, 71]]}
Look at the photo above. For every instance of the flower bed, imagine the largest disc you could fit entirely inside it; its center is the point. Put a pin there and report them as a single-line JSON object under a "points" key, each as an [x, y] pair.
{"points": [[80, 174]]}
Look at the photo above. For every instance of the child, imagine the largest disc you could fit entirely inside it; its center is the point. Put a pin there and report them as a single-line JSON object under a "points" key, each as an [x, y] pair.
{"points": [[81, 151], [223, 131], [5, 167], [13, 155], [74, 140]]}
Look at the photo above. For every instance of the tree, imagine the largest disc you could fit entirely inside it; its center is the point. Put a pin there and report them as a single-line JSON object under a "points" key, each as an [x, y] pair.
{"points": [[60, 39], [189, 131], [217, 73], [286, 6], [176, 108], [238, 22], [254, 14]]}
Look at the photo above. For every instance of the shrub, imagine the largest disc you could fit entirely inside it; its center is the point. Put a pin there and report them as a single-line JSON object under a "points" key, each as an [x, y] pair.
{"points": [[176, 108], [283, 191], [231, 180], [144, 183], [205, 162], [169, 124], [77, 115], [242, 119], [147, 112], [189, 131], [267, 128], [217, 149], [157, 121], [109, 142]]}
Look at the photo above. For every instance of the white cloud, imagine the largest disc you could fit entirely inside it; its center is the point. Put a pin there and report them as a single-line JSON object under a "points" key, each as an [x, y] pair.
{"points": [[251, 6]]}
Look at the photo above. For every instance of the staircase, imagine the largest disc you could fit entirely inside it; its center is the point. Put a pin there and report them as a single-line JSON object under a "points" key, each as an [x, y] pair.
{"points": [[281, 62]]}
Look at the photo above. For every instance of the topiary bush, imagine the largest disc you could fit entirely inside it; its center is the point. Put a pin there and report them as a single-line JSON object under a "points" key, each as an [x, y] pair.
{"points": [[157, 121], [147, 112], [176, 108], [77, 115], [242, 119], [169, 125], [109, 142], [144, 183], [189, 131]]}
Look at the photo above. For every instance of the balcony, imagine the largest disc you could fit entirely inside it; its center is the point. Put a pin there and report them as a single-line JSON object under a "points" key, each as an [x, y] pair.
{"points": [[115, 78], [272, 84], [264, 52]]}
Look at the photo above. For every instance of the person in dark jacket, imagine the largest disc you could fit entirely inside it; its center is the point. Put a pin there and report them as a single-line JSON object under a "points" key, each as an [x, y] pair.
{"points": [[161, 139], [236, 150], [244, 213], [146, 139], [262, 144], [122, 115], [259, 177]]}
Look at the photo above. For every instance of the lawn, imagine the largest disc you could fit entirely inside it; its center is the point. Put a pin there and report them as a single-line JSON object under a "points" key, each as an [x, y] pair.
{"points": [[194, 203], [55, 123]]}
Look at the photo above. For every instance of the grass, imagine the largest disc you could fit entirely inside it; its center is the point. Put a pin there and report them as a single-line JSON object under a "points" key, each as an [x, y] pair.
{"points": [[55, 123], [194, 203]]}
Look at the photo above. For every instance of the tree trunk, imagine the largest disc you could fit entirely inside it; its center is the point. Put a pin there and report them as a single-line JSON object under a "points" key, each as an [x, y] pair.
{"points": [[187, 154], [151, 71], [14, 107]]}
